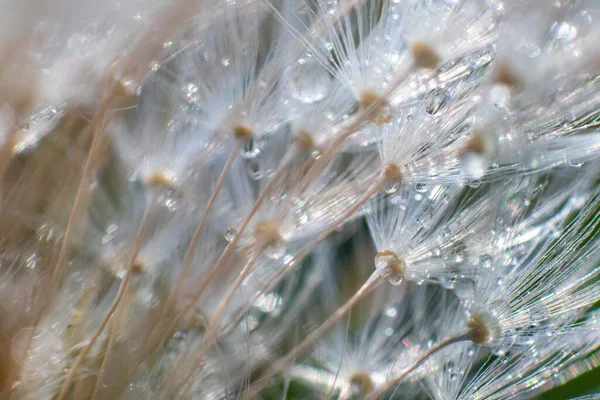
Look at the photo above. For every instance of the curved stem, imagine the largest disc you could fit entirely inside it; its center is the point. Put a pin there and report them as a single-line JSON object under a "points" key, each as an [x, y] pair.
{"points": [[213, 324], [373, 282], [189, 254], [113, 329], [231, 245], [120, 293], [304, 251], [461, 337]]}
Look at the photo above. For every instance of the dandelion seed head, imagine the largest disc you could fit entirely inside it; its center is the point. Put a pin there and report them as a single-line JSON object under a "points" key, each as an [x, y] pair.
{"points": [[390, 266]]}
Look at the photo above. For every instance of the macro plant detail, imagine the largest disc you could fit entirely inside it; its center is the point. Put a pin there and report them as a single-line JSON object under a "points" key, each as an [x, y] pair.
{"points": [[298, 199]]}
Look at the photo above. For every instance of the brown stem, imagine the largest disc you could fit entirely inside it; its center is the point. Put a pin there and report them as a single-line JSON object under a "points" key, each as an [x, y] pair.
{"points": [[373, 282], [120, 293], [189, 254], [461, 337]]}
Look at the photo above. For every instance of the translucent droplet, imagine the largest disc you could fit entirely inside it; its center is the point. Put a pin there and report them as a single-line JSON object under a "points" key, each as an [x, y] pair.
{"points": [[250, 151], [390, 187], [448, 281], [473, 165], [563, 32], [500, 96], [230, 234], [275, 250], [538, 313], [309, 81], [485, 261], [421, 187], [437, 100], [474, 183]]}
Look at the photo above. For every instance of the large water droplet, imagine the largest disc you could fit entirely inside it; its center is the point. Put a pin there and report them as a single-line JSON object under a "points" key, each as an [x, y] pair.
{"points": [[390, 187], [309, 81], [473, 165], [436, 101], [230, 234], [275, 250]]}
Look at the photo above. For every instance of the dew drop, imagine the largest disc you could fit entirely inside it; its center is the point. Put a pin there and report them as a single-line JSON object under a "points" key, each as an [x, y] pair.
{"points": [[473, 165], [437, 100], [230, 234], [448, 281], [474, 183], [485, 261], [421, 187], [309, 81], [275, 250], [250, 150], [538, 313], [390, 187]]}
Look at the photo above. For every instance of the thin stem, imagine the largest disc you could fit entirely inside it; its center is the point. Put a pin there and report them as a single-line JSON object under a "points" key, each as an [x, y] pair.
{"points": [[97, 123], [231, 245], [466, 335], [308, 247], [304, 251], [113, 330], [373, 282], [120, 293], [189, 254], [213, 324]]}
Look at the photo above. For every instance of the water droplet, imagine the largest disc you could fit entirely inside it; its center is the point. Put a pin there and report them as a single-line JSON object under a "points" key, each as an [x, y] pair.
{"points": [[500, 96], [395, 280], [275, 250], [309, 81], [563, 32], [154, 65], [448, 281], [390, 187], [474, 183], [437, 100], [230, 234], [421, 187], [538, 313], [251, 150], [485, 261], [473, 165]]}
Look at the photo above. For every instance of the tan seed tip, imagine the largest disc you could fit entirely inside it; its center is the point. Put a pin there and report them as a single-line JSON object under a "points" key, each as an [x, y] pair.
{"points": [[304, 139], [363, 382], [267, 233], [377, 106], [243, 133], [424, 56], [478, 331]]}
